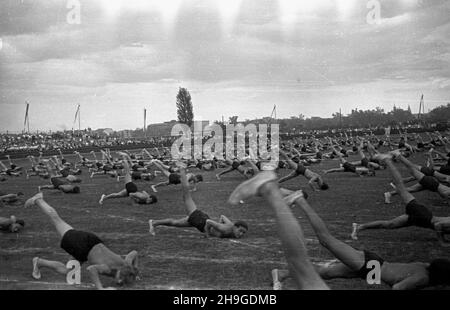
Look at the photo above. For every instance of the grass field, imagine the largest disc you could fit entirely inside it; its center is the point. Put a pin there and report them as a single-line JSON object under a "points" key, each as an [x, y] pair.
{"points": [[183, 258]]}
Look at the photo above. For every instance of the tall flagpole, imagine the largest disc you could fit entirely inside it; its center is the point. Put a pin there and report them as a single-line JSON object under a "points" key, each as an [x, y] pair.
{"points": [[27, 121], [145, 123], [79, 118]]}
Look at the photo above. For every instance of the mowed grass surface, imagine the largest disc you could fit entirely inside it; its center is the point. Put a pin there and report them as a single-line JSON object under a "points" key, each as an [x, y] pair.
{"points": [[183, 258]]}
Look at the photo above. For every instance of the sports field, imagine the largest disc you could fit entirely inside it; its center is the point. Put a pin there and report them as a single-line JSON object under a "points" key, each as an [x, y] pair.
{"points": [[183, 258]]}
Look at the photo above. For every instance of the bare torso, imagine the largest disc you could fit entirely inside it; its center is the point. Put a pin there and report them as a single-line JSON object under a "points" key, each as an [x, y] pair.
{"points": [[101, 255], [393, 273]]}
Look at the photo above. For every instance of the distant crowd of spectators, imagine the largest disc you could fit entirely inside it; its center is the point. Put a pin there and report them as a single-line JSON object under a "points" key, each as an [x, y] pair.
{"points": [[68, 141], [10, 143]]}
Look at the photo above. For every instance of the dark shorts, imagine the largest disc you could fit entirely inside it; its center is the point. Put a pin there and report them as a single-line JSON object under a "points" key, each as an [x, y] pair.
{"points": [[198, 219], [429, 183], [107, 168], [365, 162], [445, 170], [64, 172], [300, 169], [57, 182], [369, 256], [136, 175], [419, 215], [420, 145], [131, 188], [79, 244], [349, 167], [235, 164], [319, 155], [174, 179], [427, 171]]}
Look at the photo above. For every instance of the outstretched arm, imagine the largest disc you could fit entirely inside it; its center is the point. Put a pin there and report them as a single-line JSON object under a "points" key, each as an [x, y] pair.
{"points": [[225, 220], [132, 258], [414, 282], [95, 271], [221, 228]]}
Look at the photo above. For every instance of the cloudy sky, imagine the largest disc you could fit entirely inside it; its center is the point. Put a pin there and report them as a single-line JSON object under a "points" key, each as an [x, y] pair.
{"points": [[236, 57]]}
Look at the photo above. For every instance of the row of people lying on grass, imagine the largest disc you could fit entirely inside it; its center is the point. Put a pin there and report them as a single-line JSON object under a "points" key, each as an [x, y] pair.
{"points": [[352, 263]]}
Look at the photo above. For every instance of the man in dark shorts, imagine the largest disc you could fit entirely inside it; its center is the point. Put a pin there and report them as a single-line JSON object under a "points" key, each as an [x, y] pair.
{"points": [[415, 213], [174, 178], [59, 182], [424, 182], [348, 167], [131, 190], [9, 198], [12, 171], [354, 263], [200, 220], [299, 169], [11, 224], [365, 161], [445, 169], [234, 165], [84, 247], [427, 171]]}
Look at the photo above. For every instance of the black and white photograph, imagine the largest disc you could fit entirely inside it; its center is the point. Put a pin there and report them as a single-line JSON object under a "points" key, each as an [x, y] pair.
{"points": [[225, 146]]}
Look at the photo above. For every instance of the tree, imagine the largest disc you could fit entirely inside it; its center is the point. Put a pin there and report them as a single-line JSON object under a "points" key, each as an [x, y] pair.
{"points": [[440, 114], [184, 107]]}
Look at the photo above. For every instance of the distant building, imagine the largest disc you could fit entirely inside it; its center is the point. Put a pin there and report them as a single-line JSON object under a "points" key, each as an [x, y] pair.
{"points": [[165, 129], [161, 129]]}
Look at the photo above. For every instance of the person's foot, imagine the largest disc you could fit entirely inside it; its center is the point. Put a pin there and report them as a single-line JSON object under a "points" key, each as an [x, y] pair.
{"points": [[387, 198], [36, 272], [277, 286], [393, 186], [30, 202], [290, 199], [102, 199], [217, 177], [92, 174], [250, 188], [118, 179], [154, 189], [355, 231], [151, 229]]}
